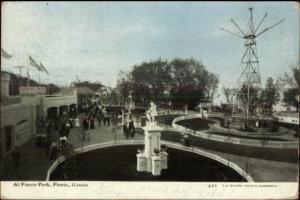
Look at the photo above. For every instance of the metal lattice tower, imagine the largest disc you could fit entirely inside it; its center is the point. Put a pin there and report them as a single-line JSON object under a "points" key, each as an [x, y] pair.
{"points": [[249, 81]]}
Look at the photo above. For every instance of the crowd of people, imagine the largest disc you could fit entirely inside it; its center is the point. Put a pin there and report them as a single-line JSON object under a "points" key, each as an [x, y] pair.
{"points": [[95, 111], [94, 114]]}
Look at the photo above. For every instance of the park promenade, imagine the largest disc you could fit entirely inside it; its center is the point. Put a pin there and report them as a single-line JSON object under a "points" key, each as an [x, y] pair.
{"points": [[34, 162]]}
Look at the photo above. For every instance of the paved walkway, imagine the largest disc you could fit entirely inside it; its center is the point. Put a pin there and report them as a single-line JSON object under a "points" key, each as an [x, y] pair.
{"points": [[258, 169], [98, 135], [34, 162]]}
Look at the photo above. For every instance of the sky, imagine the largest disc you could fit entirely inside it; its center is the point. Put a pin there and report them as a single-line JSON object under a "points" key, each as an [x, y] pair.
{"points": [[95, 40]]}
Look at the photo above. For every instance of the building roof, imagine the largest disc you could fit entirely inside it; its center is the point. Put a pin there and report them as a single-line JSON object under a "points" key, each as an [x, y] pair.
{"points": [[84, 90], [92, 86]]}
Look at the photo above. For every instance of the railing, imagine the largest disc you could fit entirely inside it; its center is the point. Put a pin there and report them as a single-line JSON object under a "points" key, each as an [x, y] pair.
{"points": [[199, 151], [32, 90], [60, 100], [228, 139], [287, 119]]}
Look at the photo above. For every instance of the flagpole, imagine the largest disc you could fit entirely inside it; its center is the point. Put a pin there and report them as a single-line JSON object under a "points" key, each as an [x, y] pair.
{"points": [[20, 69], [28, 72], [20, 81]]}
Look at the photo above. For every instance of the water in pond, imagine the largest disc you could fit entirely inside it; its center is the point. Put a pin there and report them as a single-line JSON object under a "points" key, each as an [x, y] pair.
{"points": [[119, 164]]}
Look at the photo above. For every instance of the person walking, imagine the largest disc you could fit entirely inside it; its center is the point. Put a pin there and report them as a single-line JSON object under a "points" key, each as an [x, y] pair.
{"points": [[126, 129], [92, 123], [108, 119], [62, 130], [85, 127], [131, 128], [16, 155], [67, 127], [104, 116], [99, 118]]}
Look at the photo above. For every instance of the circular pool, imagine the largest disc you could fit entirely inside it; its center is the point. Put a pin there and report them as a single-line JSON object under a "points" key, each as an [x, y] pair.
{"points": [[119, 164]]}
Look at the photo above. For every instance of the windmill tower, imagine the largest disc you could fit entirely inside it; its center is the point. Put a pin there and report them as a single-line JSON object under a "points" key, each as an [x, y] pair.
{"points": [[249, 81]]}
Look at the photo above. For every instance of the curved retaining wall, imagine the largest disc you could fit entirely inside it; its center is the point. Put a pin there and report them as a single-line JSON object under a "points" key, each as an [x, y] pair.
{"points": [[169, 144], [232, 140]]}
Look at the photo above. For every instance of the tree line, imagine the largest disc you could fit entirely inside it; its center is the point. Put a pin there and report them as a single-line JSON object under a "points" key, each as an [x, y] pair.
{"points": [[177, 82], [269, 95]]}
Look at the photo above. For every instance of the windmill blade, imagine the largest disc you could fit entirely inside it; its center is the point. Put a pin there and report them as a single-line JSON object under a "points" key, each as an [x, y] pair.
{"points": [[266, 29], [235, 34], [261, 21], [238, 27]]}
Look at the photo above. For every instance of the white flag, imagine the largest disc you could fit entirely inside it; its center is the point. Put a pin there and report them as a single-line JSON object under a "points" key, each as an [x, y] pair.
{"points": [[5, 54], [44, 68], [34, 64]]}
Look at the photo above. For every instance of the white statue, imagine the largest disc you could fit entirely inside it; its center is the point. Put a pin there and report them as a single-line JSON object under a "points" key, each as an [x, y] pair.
{"points": [[151, 113]]}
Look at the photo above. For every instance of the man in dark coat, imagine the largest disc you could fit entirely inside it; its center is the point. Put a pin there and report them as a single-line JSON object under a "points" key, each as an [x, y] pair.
{"points": [[92, 123], [85, 127], [16, 155], [131, 128]]}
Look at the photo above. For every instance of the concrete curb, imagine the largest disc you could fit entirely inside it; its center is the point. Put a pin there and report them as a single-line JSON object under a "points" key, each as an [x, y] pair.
{"points": [[228, 139], [170, 144]]}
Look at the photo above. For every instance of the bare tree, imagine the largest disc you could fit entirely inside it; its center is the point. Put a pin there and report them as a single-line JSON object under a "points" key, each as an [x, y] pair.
{"points": [[294, 81], [229, 94]]}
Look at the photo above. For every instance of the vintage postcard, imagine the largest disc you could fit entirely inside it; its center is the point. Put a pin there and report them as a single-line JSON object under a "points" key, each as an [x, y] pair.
{"points": [[149, 100]]}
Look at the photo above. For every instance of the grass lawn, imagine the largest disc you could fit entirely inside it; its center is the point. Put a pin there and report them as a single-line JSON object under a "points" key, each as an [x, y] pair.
{"points": [[119, 164]]}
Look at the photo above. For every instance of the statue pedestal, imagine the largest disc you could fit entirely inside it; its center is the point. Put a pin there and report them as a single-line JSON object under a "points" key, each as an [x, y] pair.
{"points": [[150, 124], [148, 160], [152, 138], [164, 161], [156, 165], [141, 162]]}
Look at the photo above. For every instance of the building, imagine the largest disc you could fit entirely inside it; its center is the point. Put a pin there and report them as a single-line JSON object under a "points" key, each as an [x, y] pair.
{"points": [[86, 91], [21, 115]]}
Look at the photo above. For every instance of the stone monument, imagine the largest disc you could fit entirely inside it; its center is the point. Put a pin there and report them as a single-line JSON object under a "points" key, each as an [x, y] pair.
{"points": [[153, 158]]}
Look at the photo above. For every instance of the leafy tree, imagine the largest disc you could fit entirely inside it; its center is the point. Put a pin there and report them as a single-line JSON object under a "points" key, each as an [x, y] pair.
{"points": [[290, 97], [151, 80], [294, 81], [124, 85], [254, 97], [52, 89], [291, 93], [93, 86], [270, 94], [191, 82], [182, 81]]}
